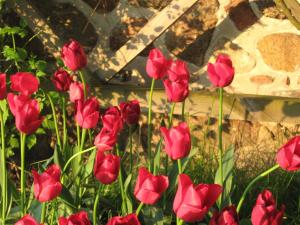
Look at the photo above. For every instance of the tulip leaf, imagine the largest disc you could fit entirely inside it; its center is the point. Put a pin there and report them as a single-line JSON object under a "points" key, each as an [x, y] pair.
{"points": [[228, 163], [36, 209], [90, 164], [245, 222], [67, 198], [30, 141], [4, 109], [58, 158], [155, 216]]}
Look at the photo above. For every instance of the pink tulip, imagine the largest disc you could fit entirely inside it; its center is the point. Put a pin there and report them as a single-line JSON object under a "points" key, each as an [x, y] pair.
{"points": [[73, 55], [24, 82], [87, 113], [2, 86], [176, 91], [157, 64], [178, 71]]}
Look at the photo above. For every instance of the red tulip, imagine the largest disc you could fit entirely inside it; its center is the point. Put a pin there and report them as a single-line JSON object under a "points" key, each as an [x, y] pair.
{"points": [[149, 188], [27, 220], [288, 156], [130, 219], [105, 140], [265, 212], [2, 86], [178, 71], [87, 113], [62, 80], [28, 117], [130, 112], [80, 218], [177, 141], [228, 216], [106, 167], [176, 91], [17, 102], [73, 55], [24, 82], [47, 185], [157, 64], [76, 92], [192, 202], [112, 119], [221, 73]]}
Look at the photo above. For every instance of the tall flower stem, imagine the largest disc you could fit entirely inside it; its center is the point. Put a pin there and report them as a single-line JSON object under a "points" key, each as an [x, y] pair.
{"points": [[220, 145], [149, 136], [130, 147], [55, 122], [96, 204], [120, 179], [44, 209], [65, 133], [83, 82], [83, 136], [23, 193], [4, 171], [137, 212], [263, 174]]}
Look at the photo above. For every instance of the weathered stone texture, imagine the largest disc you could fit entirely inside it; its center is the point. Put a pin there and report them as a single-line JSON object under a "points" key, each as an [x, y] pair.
{"points": [[262, 79]]}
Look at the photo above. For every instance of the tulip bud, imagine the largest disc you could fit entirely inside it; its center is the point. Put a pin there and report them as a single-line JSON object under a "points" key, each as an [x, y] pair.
{"points": [[228, 216], [177, 141], [192, 202], [73, 55], [47, 185], [176, 91], [130, 219], [265, 211], [157, 64], [221, 73], [106, 167], [27, 220], [87, 113], [149, 188], [130, 112], [62, 80], [24, 82], [80, 218]]}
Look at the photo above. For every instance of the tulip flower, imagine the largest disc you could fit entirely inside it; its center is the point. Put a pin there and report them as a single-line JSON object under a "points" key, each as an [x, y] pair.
{"points": [[47, 185], [27, 220], [62, 80], [288, 156], [106, 167], [221, 73], [87, 113], [76, 92], [112, 119], [73, 55], [27, 116], [149, 188], [265, 211], [228, 216], [105, 140], [176, 91], [192, 202], [178, 71], [130, 112], [80, 218], [177, 141], [2, 86], [157, 64], [24, 82], [130, 219]]}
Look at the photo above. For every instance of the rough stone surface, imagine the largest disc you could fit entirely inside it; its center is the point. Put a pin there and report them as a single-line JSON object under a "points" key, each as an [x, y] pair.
{"points": [[190, 36], [241, 14], [281, 51], [103, 6], [262, 79], [243, 62], [155, 4], [124, 31], [269, 9]]}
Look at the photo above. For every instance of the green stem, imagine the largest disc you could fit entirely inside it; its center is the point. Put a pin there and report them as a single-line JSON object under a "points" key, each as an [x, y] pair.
{"points": [[4, 171], [44, 209], [65, 132], [139, 208], [130, 147], [53, 210], [182, 111], [171, 114], [14, 46], [179, 166], [83, 135], [220, 146], [179, 221], [149, 136], [96, 205], [83, 82], [23, 141], [253, 182], [55, 122], [78, 135], [120, 179]]}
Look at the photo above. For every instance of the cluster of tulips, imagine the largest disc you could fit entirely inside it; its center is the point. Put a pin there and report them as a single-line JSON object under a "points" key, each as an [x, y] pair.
{"points": [[192, 202]]}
